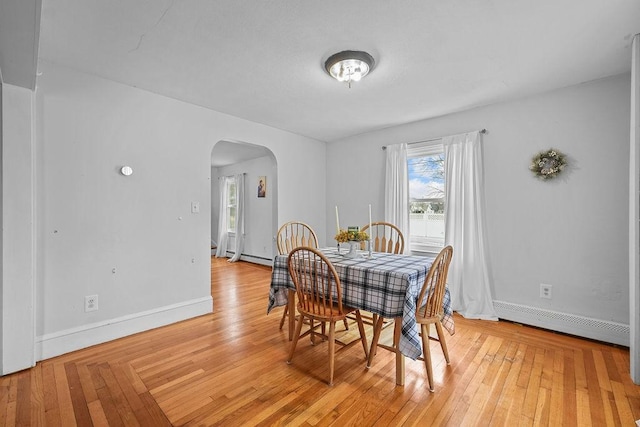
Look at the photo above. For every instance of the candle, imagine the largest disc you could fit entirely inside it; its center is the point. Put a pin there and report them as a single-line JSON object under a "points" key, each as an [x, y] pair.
{"points": [[369, 219], [337, 221]]}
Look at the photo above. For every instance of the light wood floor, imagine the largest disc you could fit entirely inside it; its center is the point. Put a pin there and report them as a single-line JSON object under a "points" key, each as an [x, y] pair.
{"points": [[229, 368]]}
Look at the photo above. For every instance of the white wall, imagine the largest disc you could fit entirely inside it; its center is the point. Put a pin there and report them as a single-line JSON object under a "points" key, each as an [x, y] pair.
{"points": [[259, 211], [571, 233], [132, 240], [17, 279]]}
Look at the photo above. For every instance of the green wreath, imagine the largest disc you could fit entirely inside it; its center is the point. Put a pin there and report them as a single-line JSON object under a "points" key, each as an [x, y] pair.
{"points": [[548, 164]]}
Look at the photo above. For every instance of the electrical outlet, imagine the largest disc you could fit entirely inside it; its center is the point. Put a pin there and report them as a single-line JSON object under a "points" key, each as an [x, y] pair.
{"points": [[90, 303], [545, 291]]}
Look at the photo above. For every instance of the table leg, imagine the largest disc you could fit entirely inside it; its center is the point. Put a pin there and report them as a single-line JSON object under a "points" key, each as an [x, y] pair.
{"points": [[397, 330], [292, 313]]}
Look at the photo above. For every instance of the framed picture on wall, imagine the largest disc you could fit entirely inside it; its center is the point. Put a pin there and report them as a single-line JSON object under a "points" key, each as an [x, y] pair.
{"points": [[262, 186]]}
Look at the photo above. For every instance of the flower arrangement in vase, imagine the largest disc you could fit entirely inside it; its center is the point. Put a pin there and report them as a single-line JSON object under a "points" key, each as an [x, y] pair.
{"points": [[351, 235], [354, 236]]}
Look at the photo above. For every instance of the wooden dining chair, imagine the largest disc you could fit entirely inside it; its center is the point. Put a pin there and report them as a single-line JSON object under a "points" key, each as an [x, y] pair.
{"points": [[292, 235], [319, 296], [430, 309], [385, 237]]}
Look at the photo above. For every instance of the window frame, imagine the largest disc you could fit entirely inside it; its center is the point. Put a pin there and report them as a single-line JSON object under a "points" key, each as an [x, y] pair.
{"points": [[420, 244], [231, 183]]}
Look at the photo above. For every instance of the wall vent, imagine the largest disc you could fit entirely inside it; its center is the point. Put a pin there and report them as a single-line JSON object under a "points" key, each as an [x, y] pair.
{"points": [[587, 327]]}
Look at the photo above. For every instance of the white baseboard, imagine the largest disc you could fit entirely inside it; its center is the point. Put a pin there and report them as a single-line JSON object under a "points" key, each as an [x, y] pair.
{"points": [[55, 344], [256, 260], [252, 258], [601, 330]]}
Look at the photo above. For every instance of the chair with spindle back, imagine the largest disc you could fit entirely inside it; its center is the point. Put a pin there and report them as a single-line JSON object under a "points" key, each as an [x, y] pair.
{"points": [[385, 237], [292, 235], [319, 296], [430, 308]]}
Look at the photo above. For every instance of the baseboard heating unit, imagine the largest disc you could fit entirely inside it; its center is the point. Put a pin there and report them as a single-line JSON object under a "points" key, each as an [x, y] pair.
{"points": [[601, 330]]}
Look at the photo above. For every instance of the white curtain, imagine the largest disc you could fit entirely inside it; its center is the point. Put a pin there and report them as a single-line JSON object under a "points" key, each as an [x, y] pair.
{"points": [[396, 192], [465, 229], [223, 235], [634, 213], [239, 230]]}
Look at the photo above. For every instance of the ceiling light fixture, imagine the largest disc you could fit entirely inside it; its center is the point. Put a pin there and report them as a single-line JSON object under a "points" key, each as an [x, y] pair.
{"points": [[349, 65]]}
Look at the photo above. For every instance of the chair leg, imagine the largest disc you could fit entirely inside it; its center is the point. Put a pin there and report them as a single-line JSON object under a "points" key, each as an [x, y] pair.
{"points": [[284, 316], [426, 352], [363, 335], [346, 324], [332, 349], [443, 343], [377, 328], [295, 338]]}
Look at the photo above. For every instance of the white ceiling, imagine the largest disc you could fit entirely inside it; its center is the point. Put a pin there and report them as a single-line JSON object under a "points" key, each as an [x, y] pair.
{"points": [[263, 60]]}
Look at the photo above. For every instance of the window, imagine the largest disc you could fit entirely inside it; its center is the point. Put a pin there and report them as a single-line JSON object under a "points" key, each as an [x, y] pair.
{"points": [[426, 196], [231, 205]]}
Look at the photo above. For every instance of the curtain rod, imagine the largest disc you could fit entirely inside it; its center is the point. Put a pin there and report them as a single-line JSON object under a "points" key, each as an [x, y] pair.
{"points": [[230, 176], [384, 147]]}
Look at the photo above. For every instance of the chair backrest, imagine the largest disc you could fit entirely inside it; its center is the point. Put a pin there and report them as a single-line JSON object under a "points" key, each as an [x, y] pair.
{"points": [[432, 293], [294, 234], [385, 237], [317, 283]]}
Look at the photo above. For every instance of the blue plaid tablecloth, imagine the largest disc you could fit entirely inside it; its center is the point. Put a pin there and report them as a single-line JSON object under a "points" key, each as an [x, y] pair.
{"points": [[387, 285]]}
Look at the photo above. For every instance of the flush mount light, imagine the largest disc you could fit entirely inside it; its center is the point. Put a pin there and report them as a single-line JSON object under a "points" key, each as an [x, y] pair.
{"points": [[126, 170], [349, 65]]}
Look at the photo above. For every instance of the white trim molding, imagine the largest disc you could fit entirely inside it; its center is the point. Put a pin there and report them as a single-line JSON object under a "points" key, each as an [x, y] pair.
{"points": [[55, 344], [587, 327]]}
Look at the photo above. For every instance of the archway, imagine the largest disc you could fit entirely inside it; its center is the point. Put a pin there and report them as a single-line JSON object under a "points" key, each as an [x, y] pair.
{"points": [[257, 162]]}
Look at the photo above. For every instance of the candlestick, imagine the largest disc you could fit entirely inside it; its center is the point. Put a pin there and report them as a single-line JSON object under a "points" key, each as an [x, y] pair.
{"points": [[369, 219], [337, 221]]}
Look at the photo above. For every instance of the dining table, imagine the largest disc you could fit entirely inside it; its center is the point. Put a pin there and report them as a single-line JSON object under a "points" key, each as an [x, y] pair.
{"points": [[381, 283]]}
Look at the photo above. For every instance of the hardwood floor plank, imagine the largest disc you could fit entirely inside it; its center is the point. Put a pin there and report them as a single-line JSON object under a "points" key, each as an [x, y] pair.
{"points": [[541, 416], [169, 384], [478, 370], [5, 383], [594, 388], [534, 387], [98, 417], [601, 370], [228, 368], [117, 394], [63, 392], [621, 402], [12, 396], [23, 397], [78, 401], [51, 407], [583, 409], [556, 404], [37, 397], [507, 397], [504, 365], [568, 400], [608, 413], [440, 407]]}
